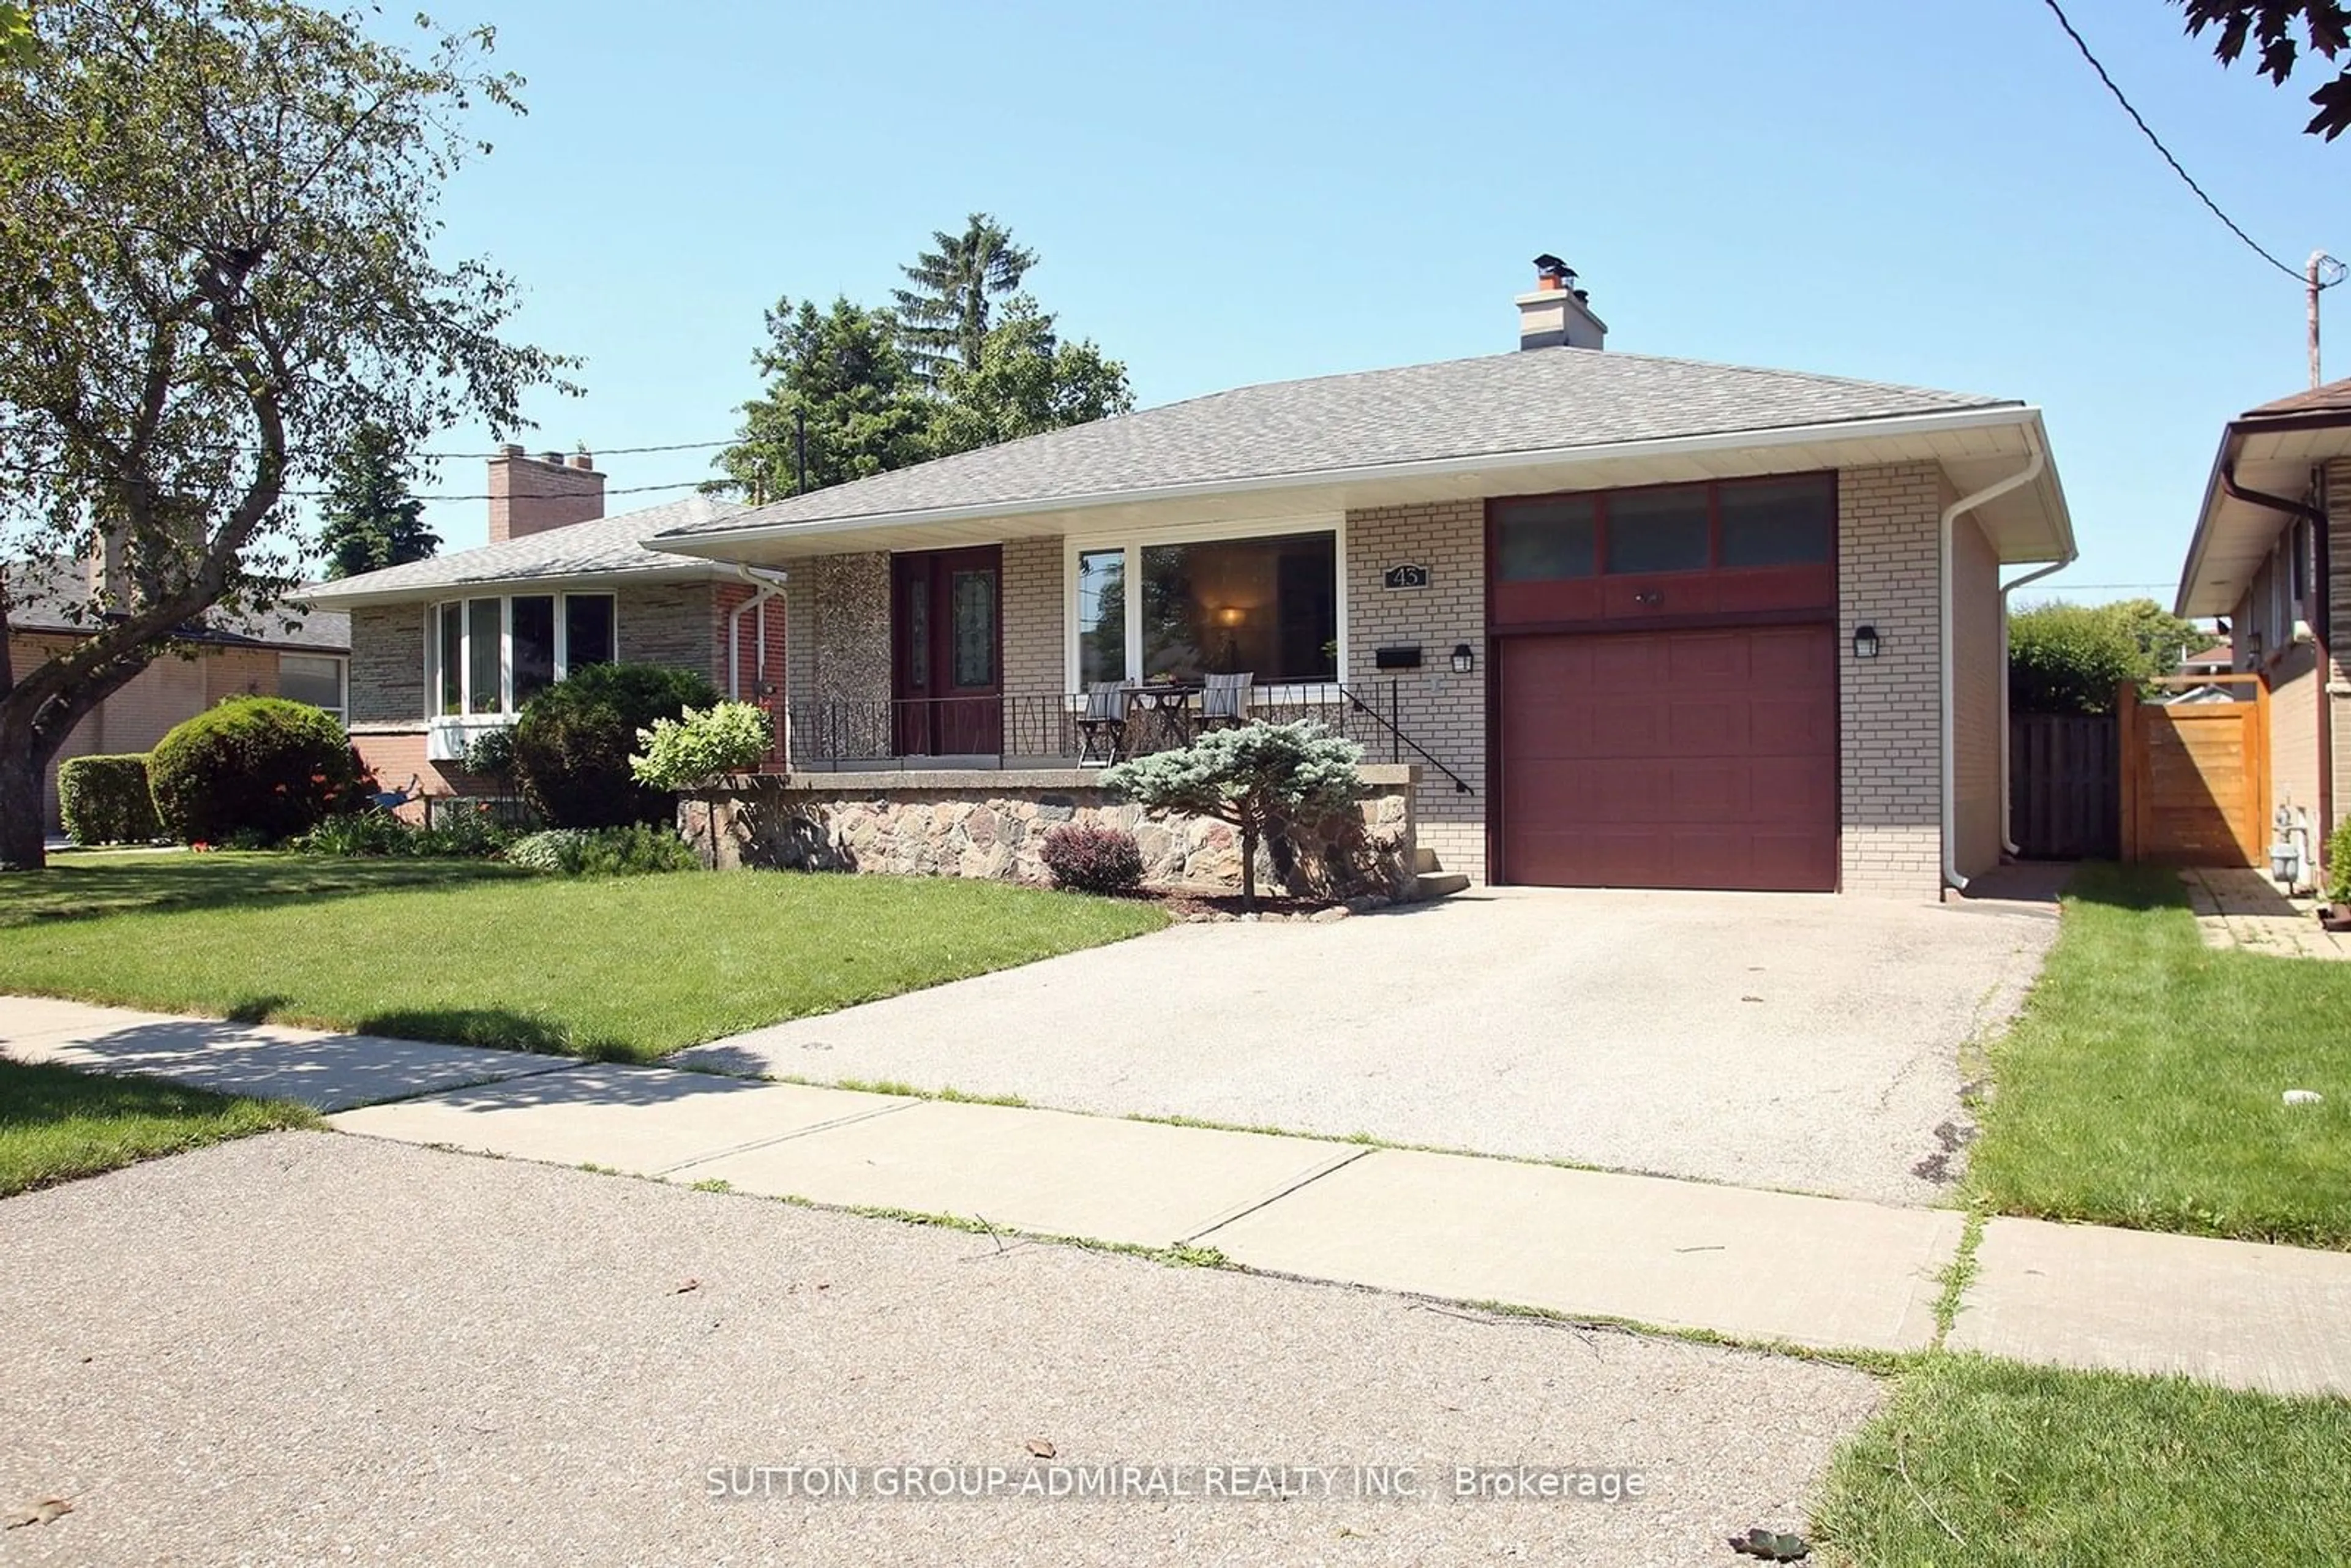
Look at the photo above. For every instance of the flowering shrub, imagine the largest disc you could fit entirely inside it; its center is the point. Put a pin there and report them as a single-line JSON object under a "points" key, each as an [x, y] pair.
{"points": [[1092, 858], [693, 750], [252, 770]]}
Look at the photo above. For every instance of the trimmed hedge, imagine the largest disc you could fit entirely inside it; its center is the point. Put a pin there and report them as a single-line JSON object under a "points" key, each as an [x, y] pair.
{"points": [[571, 744], [253, 769], [105, 800]]}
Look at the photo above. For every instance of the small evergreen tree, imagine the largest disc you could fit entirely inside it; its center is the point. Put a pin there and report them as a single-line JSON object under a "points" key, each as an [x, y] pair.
{"points": [[371, 520], [1260, 778]]}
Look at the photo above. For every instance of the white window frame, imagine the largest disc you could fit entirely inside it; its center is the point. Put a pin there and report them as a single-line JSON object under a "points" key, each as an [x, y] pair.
{"points": [[342, 708], [505, 711], [1134, 542]]}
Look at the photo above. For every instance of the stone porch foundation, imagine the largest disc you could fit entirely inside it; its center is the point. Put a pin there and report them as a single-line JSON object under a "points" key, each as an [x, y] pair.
{"points": [[992, 823]]}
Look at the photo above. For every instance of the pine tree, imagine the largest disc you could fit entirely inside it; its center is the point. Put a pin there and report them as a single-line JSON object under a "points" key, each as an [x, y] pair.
{"points": [[944, 316], [371, 520]]}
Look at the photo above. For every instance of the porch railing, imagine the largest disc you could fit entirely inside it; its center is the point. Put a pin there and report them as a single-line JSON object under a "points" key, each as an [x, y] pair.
{"points": [[858, 734]]}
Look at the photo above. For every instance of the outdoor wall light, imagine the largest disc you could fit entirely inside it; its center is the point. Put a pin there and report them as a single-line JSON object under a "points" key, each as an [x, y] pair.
{"points": [[1864, 641], [1464, 661]]}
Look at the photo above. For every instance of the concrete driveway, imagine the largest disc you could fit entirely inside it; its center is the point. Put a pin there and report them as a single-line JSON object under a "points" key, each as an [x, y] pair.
{"points": [[1781, 1040]]}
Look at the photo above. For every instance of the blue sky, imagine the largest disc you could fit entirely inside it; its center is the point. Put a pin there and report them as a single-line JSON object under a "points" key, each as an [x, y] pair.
{"points": [[1938, 194]]}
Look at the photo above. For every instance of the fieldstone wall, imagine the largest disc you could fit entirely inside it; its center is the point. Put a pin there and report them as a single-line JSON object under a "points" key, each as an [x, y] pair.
{"points": [[993, 824]]}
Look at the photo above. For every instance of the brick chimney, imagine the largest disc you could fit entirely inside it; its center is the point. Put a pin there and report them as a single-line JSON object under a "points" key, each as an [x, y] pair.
{"points": [[1558, 313], [531, 494]]}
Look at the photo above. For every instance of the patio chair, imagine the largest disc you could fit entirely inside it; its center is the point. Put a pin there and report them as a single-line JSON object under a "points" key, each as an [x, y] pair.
{"points": [[1102, 722], [1225, 699]]}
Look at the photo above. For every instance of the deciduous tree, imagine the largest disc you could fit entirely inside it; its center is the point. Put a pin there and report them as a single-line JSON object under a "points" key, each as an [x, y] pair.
{"points": [[217, 220], [2324, 28], [842, 372]]}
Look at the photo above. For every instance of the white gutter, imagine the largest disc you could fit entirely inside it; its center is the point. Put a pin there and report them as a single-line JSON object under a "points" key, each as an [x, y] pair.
{"points": [[2008, 839], [769, 584], [1949, 770], [715, 541]]}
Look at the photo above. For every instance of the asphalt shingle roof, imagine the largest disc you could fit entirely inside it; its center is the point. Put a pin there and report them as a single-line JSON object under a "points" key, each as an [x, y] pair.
{"points": [[1524, 401], [40, 593], [579, 549], [2334, 397]]}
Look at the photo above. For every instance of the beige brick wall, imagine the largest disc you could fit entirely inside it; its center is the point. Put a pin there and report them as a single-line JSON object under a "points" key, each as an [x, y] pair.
{"points": [[387, 680], [1036, 657], [1977, 675], [1442, 711], [2335, 497], [168, 691], [1891, 707], [674, 624]]}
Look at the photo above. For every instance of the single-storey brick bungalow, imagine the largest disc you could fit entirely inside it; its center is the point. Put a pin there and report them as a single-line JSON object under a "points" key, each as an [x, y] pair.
{"points": [[446, 648], [1630, 620], [2271, 553], [278, 654]]}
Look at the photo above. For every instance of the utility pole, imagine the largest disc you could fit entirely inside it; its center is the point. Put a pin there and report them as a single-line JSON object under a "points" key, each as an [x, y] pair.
{"points": [[2323, 273]]}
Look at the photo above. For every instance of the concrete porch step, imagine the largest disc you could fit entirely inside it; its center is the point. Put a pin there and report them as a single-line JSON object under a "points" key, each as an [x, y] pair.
{"points": [[1424, 859], [1431, 884]]}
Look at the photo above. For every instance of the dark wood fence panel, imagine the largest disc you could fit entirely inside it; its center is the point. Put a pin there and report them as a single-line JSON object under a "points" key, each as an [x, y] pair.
{"points": [[2066, 789]]}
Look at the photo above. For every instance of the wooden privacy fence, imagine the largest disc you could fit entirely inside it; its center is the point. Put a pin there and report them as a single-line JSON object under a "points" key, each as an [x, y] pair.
{"points": [[2064, 786], [2196, 776]]}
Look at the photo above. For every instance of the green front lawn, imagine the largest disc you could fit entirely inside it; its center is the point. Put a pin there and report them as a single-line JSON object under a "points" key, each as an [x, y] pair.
{"points": [[1987, 1464], [2142, 1085], [57, 1123], [625, 968]]}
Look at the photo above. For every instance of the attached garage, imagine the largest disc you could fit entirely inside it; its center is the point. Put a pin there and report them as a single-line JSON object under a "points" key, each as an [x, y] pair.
{"points": [[1666, 691], [1694, 759]]}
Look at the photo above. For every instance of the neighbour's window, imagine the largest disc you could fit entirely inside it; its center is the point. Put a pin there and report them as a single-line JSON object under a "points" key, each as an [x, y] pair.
{"points": [[313, 678], [492, 656]]}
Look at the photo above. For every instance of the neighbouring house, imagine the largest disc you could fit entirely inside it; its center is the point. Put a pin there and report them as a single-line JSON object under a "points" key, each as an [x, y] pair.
{"points": [[280, 652], [2265, 558], [1632, 622], [444, 649]]}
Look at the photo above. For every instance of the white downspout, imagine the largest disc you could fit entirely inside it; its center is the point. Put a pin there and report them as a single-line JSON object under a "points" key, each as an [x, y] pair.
{"points": [[2007, 839], [1950, 768], [769, 584]]}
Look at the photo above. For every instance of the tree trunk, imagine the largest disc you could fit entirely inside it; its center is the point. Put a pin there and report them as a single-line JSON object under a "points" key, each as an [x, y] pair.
{"points": [[22, 839], [1249, 866]]}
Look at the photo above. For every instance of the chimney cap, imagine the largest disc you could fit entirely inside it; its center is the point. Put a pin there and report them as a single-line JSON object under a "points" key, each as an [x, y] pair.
{"points": [[510, 449], [1550, 268]]}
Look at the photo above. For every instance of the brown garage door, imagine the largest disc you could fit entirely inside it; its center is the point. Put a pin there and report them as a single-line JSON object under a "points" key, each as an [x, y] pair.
{"points": [[1671, 759]]}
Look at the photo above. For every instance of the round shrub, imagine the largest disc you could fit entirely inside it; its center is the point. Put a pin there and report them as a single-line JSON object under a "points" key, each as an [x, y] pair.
{"points": [[1089, 857], [252, 770], [571, 744], [105, 800]]}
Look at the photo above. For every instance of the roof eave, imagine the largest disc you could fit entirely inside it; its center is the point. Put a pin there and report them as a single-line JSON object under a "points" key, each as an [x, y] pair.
{"points": [[710, 543], [330, 596]]}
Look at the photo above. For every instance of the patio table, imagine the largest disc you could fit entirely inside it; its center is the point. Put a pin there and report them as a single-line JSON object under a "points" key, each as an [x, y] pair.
{"points": [[1167, 706]]}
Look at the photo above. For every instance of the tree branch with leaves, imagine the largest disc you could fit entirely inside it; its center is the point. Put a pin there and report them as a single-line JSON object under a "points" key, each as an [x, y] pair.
{"points": [[216, 226]]}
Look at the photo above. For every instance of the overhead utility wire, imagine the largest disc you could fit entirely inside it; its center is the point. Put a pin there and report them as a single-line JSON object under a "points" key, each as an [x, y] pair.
{"points": [[2157, 142]]}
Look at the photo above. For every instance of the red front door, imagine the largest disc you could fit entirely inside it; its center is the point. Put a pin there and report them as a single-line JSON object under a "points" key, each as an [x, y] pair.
{"points": [[946, 651]]}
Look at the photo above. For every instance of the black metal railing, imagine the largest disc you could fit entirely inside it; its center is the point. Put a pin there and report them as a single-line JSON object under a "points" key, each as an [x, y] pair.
{"points": [[862, 733]]}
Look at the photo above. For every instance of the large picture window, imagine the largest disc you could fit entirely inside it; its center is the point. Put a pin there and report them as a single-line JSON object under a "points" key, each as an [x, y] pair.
{"points": [[1178, 608], [491, 655]]}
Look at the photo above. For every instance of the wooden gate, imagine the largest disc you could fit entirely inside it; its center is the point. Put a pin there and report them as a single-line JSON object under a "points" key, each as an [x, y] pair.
{"points": [[2196, 776], [2064, 788]]}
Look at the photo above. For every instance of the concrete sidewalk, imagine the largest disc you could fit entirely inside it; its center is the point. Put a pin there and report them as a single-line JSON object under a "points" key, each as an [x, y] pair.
{"points": [[1824, 1272]]}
